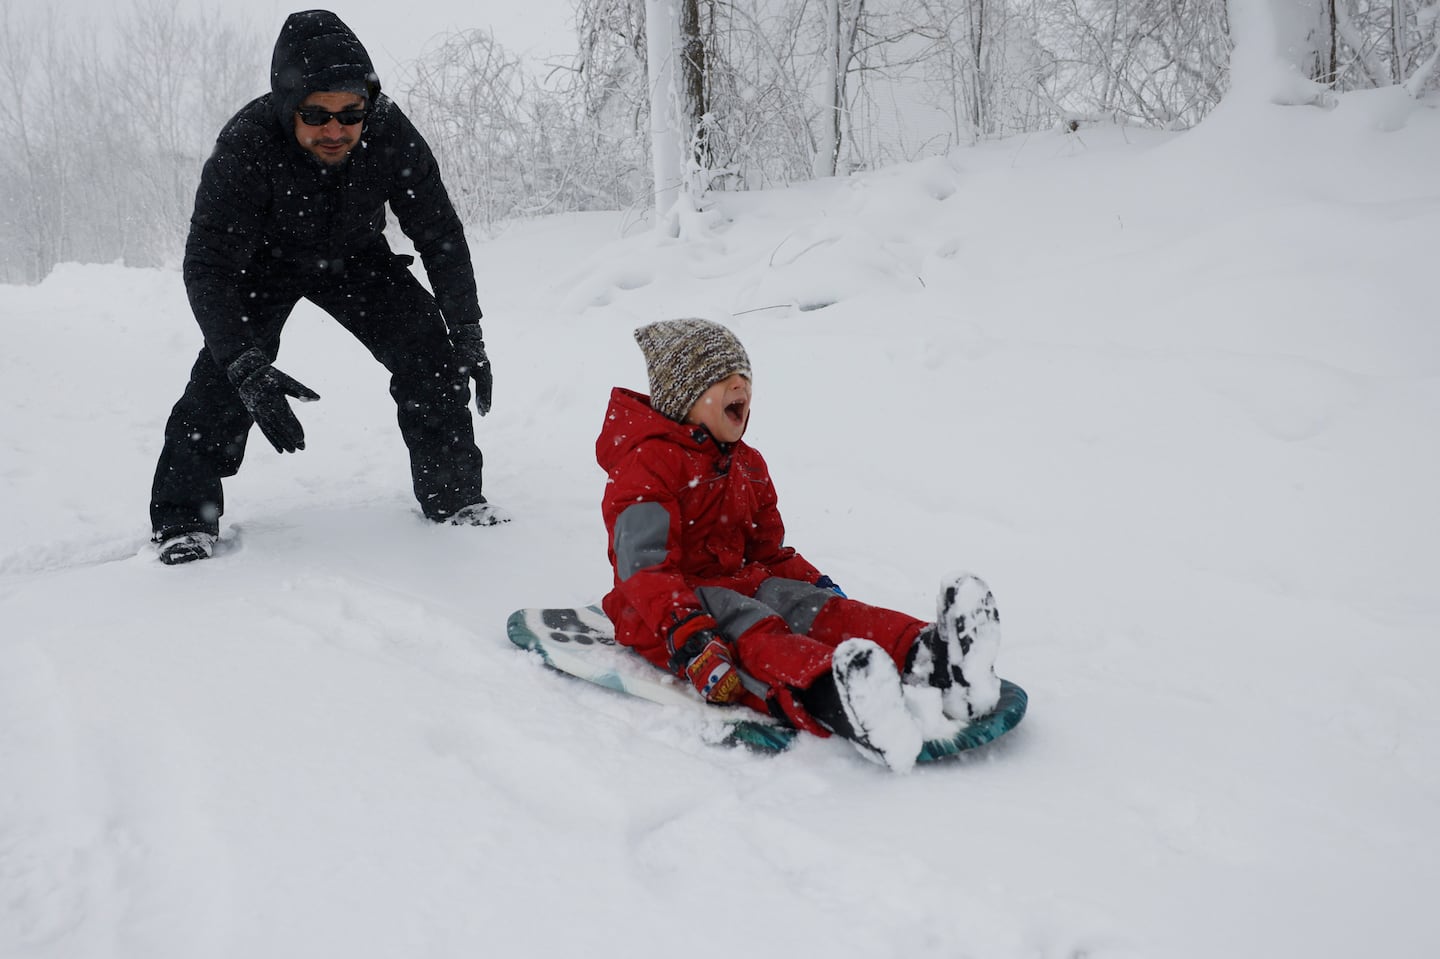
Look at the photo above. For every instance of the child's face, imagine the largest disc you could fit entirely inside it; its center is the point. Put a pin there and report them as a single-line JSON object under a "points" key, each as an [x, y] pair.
{"points": [[723, 409]]}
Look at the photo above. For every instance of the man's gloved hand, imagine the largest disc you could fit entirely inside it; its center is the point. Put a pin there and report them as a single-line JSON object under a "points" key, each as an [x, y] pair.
{"points": [[263, 389], [825, 582], [469, 343], [707, 658]]}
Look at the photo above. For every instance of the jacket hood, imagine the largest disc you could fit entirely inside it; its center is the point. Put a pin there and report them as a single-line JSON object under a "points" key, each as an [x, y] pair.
{"points": [[316, 51], [630, 421]]}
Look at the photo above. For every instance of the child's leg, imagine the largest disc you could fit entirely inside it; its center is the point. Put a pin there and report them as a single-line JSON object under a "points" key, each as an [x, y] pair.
{"points": [[861, 699], [892, 631], [782, 662], [795, 602], [766, 646], [822, 615], [852, 690], [847, 686]]}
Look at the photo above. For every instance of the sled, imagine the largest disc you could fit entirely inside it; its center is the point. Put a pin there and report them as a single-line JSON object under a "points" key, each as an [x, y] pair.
{"points": [[580, 642]]}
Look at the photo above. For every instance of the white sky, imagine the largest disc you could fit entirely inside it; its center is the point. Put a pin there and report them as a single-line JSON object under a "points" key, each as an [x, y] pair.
{"points": [[394, 31]]}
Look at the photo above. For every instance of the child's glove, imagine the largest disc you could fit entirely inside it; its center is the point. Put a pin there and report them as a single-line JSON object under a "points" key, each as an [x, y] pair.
{"points": [[825, 582], [707, 659], [713, 672]]}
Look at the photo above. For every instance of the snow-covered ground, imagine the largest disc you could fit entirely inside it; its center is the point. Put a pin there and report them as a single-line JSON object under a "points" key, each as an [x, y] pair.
{"points": [[1175, 396]]}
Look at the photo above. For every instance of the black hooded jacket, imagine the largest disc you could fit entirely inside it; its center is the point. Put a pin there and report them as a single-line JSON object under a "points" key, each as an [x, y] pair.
{"points": [[269, 213]]}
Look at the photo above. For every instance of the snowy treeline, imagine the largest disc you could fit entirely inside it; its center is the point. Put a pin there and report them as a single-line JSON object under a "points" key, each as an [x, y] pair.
{"points": [[100, 147], [102, 134]]}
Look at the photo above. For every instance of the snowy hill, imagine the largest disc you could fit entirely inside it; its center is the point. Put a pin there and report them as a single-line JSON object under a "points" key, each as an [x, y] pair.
{"points": [[1175, 396]]}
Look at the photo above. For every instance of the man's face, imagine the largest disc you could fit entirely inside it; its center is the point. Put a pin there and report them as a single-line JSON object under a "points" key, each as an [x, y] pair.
{"points": [[330, 141]]}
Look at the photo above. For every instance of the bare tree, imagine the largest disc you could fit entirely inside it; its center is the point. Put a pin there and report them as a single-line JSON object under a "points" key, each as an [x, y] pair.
{"points": [[1356, 44], [36, 169], [840, 21], [607, 99], [1160, 63], [694, 102], [759, 92], [988, 64], [760, 76], [512, 146], [157, 67], [141, 98], [1357, 64], [1427, 70], [466, 93]]}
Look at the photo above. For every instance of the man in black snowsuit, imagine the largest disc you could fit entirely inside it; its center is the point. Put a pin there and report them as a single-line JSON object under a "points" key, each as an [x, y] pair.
{"points": [[291, 204]]}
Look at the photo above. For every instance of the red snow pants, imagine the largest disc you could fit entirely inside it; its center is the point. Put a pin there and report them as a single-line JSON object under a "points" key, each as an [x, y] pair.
{"points": [[786, 633]]}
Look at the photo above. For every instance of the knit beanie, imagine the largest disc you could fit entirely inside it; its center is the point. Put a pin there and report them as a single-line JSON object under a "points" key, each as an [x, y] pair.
{"points": [[684, 358]]}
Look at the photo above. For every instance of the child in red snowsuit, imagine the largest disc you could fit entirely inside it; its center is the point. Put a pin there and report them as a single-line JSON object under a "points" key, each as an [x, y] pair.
{"points": [[706, 588]]}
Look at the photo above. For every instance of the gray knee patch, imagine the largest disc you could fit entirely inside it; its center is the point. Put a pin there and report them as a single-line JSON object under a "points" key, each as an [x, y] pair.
{"points": [[797, 603], [735, 612]]}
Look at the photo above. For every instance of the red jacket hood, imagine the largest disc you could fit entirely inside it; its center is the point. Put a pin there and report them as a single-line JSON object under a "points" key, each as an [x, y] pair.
{"points": [[630, 420]]}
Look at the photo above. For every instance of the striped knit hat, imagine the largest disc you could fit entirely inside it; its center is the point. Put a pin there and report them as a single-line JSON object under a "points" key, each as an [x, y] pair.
{"points": [[684, 358]]}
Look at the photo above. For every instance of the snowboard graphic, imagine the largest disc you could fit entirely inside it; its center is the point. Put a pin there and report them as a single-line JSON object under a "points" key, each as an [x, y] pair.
{"points": [[581, 643]]}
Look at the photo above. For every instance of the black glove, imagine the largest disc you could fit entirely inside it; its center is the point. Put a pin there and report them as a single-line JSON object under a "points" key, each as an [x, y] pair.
{"points": [[263, 389], [469, 345], [825, 582]]}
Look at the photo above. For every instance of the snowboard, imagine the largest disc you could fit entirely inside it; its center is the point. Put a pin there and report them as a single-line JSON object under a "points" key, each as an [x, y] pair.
{"points": [[580, 642]]}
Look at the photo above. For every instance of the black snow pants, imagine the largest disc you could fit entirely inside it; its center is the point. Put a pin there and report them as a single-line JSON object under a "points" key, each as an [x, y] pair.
{"points": [[397, 320]]}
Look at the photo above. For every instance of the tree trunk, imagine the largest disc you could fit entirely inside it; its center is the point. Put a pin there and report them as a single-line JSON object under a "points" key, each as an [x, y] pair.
{"points": [[842, 30], [1397, 39], [693, 101], [827, 147], [1332, 70], [666, 136]]}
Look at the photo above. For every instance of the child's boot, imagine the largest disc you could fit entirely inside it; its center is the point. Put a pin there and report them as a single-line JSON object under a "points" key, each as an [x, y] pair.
{"points": [[861, 700], [956, 654]]}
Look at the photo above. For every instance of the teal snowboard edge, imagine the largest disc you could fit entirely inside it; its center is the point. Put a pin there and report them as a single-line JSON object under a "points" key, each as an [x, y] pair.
{"points": [[580, 642]]}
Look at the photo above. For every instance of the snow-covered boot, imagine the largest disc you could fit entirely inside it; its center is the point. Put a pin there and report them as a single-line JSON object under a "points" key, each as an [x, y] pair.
{"points": [[956, 654], [187, 547], [871, 706], [478, 514]]}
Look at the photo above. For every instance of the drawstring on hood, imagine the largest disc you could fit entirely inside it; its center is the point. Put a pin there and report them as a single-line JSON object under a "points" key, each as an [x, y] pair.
{"points": [[316, 52]]}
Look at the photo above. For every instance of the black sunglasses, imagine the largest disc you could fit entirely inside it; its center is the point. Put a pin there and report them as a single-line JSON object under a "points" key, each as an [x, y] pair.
{"points": [[316, 117]]}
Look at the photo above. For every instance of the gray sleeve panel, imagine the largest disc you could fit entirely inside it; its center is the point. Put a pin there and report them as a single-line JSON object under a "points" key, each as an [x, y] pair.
{"points": [[797, 603], [641, 533]]}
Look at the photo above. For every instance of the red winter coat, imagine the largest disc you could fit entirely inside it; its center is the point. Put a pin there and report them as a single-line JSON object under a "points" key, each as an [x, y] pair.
{"points": [[685, 512], [718, 507]]}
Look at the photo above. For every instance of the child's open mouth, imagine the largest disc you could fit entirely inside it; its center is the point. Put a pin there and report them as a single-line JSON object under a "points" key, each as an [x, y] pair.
{"points": [[736, 411]]}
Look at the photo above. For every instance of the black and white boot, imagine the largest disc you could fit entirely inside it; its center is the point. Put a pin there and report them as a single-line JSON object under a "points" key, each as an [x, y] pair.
{"points": [[956, 654], [477, 514], [862, 701], [186, 548]]}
